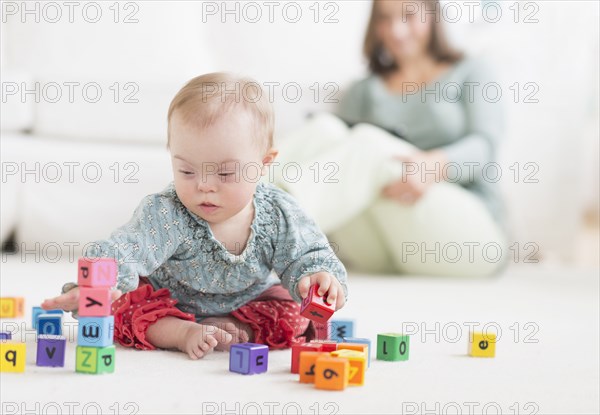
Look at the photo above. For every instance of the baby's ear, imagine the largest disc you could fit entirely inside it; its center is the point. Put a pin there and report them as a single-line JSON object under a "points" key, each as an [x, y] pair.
{"points": [[269, 158]]}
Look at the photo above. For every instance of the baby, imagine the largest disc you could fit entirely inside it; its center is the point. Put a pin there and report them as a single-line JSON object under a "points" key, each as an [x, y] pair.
{"points": [[210, 240]]}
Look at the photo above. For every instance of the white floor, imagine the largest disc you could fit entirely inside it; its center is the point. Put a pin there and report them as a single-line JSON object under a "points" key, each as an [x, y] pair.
{"points": [[547, 356]]}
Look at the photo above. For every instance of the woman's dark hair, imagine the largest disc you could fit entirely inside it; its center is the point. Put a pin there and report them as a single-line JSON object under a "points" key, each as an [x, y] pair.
{"points": [[439, 46]]}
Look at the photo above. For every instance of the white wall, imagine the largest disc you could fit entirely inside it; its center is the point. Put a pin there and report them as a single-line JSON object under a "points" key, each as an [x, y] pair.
{"points": [[171, 43]]}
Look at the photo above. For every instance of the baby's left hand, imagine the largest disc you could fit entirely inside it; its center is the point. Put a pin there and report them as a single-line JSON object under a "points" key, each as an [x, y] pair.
{"points": [[327, 282]]}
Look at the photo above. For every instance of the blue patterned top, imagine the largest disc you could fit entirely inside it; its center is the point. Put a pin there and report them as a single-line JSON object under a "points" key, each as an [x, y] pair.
{"points": [[176, 249]]}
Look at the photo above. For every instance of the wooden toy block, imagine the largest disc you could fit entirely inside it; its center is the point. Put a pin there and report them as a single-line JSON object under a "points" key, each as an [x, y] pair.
{"points": [[332, 373], [358, 347], [358, 365], [51, 350], [49, 324], [315, 307], [307, 365], [94, 302], [341, 329], [95, 360], [7, 307], [361, 341], [4, 335], [36, 311], [96, 331], [482, 344], [392, 346], [12, 307], [326, 345], [248, 358], [297, 348], [97, 272], [12, 357]]}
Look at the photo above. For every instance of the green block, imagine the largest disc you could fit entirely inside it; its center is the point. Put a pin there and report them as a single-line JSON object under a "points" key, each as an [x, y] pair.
{"points": [[95, 360], [392, 346]]}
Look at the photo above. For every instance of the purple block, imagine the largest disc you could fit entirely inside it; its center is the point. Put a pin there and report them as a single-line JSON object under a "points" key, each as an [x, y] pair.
{"points": [[5, 335], [248, 358], [51, 350]]}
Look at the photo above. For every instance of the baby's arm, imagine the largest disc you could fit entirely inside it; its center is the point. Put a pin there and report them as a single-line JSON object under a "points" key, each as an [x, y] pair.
{"points": [[304, 256], [141, 246]]}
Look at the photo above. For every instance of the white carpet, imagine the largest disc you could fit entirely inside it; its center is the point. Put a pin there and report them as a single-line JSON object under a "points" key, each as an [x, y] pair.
{"points": [[558, 308]]}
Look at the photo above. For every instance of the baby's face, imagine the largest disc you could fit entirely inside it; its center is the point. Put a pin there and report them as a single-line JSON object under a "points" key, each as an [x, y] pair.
{"points": [[216, 169]]}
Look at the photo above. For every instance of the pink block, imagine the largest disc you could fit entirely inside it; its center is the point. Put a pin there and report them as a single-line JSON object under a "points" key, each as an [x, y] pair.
{"points": [[97, 272], [94, 302]]}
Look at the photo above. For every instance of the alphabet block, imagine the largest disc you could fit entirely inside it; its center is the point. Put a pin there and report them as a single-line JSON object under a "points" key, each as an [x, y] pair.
{"points": [[94, 302], [297, 348], [49, 324], [358, 347], [12, 307], [482, 344], [95, 360], [315, 307], [36, 311], [326, 345], [12, 357], [97, 272], [332, 373], [361, 341], [392, 346], [341, 329], [358, 365], [96, 331], [4, 335], [248, 358], [51, 350], [307, 365]]}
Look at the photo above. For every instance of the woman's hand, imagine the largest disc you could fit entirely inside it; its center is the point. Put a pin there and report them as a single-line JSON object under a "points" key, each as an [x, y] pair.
{"points": [[69, 301], [422, 169], [327, 284]]}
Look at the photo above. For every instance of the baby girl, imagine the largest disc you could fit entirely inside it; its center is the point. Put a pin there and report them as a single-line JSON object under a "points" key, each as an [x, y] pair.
{"points": [[217, 257]]}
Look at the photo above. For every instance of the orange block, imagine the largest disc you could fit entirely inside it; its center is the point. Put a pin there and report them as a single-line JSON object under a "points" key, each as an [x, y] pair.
{"points": [[332, 373], [307, 365], [358, 365], [19, 307]]}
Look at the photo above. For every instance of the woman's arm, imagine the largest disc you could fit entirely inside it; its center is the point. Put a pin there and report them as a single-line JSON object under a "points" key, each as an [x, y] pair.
{"points": [[485, 124]]}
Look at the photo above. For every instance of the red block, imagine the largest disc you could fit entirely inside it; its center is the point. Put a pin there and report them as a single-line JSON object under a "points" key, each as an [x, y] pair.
{"points": [[326, 346], [314, 306], [97, 272], [302, 347]]}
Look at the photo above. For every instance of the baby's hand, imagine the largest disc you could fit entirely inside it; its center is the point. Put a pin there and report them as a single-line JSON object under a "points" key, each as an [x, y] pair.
{"points": [[327, 283], [70, 300]]}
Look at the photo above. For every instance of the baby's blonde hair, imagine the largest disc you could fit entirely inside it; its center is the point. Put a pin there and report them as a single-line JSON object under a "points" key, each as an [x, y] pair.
{"points": [[207, 98]]}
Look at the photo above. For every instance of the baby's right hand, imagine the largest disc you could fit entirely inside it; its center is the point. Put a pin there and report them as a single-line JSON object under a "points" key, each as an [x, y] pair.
{"points": [[70, 300]]}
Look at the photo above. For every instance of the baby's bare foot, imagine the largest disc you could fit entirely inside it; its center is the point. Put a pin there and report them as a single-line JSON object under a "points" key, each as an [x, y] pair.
{"points": [[241, 332], [200, 339]]}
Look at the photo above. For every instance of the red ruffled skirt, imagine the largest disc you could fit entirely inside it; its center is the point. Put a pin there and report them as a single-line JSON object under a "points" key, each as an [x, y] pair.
{"points": [[274, 316]]}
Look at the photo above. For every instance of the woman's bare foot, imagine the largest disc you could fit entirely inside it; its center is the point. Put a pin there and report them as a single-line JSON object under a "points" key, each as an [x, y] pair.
{"points": [[190, 337], [240, 331]]}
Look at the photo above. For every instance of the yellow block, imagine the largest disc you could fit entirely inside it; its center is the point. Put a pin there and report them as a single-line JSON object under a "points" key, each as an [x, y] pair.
{"points": [[358, 365], [482, 344], [12, 357], [307, 365], [332, 373], [7, 307]]}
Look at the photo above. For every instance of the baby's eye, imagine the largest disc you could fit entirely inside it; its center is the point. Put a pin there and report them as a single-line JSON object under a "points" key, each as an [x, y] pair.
{"points": [[186, 172], [226, 174]]}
